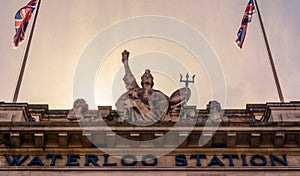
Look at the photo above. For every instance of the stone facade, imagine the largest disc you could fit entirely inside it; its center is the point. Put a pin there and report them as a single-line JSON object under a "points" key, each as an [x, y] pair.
{"points": [[262, 139]]}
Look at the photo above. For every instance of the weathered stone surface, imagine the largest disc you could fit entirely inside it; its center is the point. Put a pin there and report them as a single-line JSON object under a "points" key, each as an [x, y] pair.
{"points": [[249, 139]]}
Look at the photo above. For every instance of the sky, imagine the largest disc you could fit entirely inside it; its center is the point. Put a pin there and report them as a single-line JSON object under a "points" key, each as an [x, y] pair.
{"points": [[77, 44]]}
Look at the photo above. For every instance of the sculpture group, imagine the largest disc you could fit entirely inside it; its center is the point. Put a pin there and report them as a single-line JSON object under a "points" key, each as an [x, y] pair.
{"points": [[140, 104], [145, 104]]}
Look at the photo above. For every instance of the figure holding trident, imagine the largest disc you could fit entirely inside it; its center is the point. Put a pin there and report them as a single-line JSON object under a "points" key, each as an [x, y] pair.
{"points": [[145, 104], [141, 104]]}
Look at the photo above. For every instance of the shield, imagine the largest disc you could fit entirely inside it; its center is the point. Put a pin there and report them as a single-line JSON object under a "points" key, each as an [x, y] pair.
{"points": [[179, 97]]}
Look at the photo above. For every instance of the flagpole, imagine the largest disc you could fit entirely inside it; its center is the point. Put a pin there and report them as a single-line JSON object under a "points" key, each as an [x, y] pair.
{"points": [[17, 90], [270, 55]]}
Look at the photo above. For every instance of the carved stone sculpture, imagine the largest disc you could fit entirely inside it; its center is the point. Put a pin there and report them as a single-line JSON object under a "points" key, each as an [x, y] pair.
{"points": [[80, 107], [216, 114], [144, 104]]}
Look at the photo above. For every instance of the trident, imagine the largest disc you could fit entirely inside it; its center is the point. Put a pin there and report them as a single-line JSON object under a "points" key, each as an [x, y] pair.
{"points": [[187, 81]]}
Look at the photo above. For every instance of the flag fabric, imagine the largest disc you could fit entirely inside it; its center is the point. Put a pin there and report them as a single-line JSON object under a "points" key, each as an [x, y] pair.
{"points": [[247, 18], [22, 18]]}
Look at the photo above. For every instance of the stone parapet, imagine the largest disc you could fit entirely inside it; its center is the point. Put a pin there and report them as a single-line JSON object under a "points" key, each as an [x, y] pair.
{"points": [[72, 135]]}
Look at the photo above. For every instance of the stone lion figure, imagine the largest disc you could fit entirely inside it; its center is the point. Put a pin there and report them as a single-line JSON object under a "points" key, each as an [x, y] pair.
{"points": [[80, 107]]}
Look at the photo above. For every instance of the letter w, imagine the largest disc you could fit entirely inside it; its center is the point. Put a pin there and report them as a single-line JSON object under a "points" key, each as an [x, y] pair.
{"points": [[16, 159]]}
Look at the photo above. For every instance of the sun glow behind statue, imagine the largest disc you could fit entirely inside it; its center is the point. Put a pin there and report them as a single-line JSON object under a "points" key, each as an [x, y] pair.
{"points": [[175, 52], [165, 69]]}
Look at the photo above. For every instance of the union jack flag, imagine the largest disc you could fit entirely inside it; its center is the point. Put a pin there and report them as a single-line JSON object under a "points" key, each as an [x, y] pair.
{"points": [[22, 18], [250, 9]]}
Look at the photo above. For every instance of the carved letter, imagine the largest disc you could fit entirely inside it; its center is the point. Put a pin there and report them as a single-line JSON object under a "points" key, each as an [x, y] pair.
{"points": [[262, 157], [230, 157], [72, 160], [53, 156], [91, 158], [198, 156], [106, 163], [132, 157], [244, 159], [215, 161], [154, 160], [181, 160], [281, 161], [36, 160], [16, 159]]}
